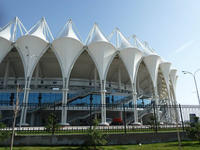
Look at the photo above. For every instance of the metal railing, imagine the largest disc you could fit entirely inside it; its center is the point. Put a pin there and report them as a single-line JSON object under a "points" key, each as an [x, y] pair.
{"points": [[167, 118]]}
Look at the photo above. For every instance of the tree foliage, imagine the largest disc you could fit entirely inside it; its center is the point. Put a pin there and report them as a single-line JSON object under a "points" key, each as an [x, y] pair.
{"points": [[153, 122], [52, 123], [3, 134], [194, 130], [96, 137]]}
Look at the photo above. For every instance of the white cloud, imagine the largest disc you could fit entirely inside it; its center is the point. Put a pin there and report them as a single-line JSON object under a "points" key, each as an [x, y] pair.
{"points": [[184, 46]]}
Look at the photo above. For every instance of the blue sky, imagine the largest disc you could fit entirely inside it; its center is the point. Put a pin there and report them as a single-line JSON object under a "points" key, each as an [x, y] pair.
{"points": [[171, 27]]}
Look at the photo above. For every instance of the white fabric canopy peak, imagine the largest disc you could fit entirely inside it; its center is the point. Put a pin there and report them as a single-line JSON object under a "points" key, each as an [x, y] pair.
{"points": [[41, 30], [8, 35], [69, 31], [131, 58], [33, 45], [9, 31], [152, 63], [6, 32], [165, 68], [67, 48], [101, 51], [129, 55], [118, 39], [173, 77], [144, 46], [5, 47], [95, 35]]}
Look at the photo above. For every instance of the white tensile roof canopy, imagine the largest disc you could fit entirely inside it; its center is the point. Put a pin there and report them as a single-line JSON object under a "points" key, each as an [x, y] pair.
{"points": [[100, 50], [68, 47], [33, 45], [129, 54], [103, 52], [67, 44], [8, 35]]}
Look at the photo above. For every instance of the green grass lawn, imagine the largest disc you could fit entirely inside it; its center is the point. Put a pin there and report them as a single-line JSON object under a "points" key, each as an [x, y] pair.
{"points": [[189, 145]]}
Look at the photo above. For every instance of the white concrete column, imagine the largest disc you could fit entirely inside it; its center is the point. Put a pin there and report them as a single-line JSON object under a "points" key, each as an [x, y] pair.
{"points": [[64, 108], [177, 117], [95, 79], [119, 79], [36, 76], [169, 112], [64, 103], [25, 110], [25, 102], [103, 104], [134, 93], [169, 107], [173, 112], [156, 97], [134, 96], [6, 74]]}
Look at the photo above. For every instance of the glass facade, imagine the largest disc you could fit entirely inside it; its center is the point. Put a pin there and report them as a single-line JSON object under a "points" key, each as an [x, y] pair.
{"points": [[56, 97]]}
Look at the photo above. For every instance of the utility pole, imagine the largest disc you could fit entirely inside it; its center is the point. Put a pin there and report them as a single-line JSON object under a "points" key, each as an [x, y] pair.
{"points": [[15, 116]]}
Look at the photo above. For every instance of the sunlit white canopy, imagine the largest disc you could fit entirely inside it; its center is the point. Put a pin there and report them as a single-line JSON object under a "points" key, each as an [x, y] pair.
{"points": [[67, 47], [119, 63], [33, 45], [8, 35], [173, 77], [101, 50], [144, 46], [118, 39], [152, 63], [165, 68], [130, 55]]}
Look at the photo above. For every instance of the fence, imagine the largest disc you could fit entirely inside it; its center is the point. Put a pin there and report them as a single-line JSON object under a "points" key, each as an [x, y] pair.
{"points": [[153, 118], [104, 129]]}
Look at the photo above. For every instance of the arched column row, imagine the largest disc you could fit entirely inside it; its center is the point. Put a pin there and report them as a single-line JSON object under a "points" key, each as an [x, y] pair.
{"points": [[65, 80]]}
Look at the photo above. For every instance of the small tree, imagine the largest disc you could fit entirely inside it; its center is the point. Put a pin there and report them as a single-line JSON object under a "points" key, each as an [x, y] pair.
{"points": [[95, 136], [52, 123], [3, 134], [194, 130], [153, 123]]}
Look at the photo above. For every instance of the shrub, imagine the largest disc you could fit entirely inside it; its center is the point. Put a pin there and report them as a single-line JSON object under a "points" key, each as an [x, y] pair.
{"points": [[96, 137], [194, 130], [52, 123], [3, 134]]}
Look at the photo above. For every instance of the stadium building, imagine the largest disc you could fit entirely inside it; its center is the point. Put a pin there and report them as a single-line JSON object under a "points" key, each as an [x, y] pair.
{"points": [[76, 77]]}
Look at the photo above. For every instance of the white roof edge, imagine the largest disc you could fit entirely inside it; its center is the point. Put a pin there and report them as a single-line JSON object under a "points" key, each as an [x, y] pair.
{"points": [[68, 31], [96, 35], [120, 39], [165, 62], [41, 30], [9, 31]]}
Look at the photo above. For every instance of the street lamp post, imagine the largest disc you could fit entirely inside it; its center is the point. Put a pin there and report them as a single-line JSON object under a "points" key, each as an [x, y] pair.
{"points": [[195, 81]]}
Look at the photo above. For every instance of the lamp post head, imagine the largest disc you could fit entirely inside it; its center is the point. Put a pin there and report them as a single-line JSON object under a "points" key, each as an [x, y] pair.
{"points": [[187, 72], [184, 72]]}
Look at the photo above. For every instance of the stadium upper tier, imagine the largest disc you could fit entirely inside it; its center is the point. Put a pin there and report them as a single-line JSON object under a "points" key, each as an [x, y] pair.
{"points": [[34, 59]]}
